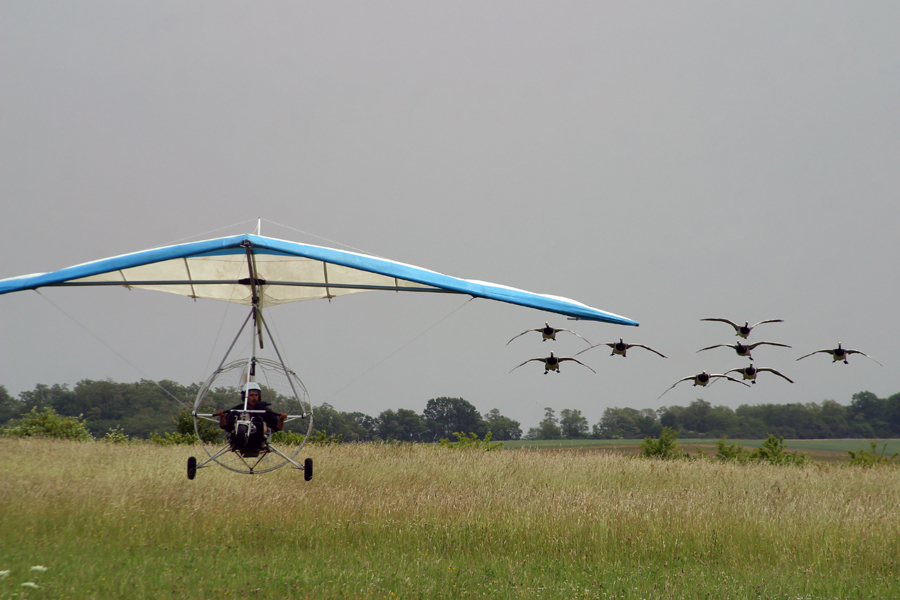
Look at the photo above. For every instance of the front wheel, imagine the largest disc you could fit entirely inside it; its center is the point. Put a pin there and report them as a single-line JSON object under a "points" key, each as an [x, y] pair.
{"points": [[307, 469], [192, 467]]}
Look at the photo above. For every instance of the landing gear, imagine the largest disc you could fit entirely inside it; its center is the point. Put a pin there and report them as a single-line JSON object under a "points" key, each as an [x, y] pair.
{"points": [[307, 469], [192, 467]]}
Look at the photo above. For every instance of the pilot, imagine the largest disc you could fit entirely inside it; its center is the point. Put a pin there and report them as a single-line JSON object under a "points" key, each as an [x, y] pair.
{"points": [[250, 436]]}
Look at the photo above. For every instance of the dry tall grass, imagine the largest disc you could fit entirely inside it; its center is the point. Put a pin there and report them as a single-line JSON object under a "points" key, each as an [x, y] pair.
{"points": [[381, 519]]}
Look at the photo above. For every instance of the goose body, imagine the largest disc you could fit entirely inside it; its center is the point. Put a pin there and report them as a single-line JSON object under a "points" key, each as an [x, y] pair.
{"points": [[547, 333], [745, 329], [840, 353], [750, 372], [703, 379], [743, 349], [551, 363], [621, 348]]}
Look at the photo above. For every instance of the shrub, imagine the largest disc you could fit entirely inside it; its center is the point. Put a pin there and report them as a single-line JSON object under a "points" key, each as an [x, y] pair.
{"points": [[729, 452], [471, 441], [48, 423], [665, 447], [773, 451], [116, 436], [873, 458], [209, 431]]}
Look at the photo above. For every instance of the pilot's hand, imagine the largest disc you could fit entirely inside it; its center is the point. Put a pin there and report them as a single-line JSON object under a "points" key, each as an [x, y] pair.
{"points": [[282, 416], [220, 412]]}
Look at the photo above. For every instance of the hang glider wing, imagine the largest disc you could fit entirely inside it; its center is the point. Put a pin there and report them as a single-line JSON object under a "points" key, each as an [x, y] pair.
{"points": [[239, 268]]}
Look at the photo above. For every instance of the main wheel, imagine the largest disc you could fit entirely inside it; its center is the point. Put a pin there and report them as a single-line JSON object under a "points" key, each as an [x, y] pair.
{"points": [[192, 467], [307, 469]]}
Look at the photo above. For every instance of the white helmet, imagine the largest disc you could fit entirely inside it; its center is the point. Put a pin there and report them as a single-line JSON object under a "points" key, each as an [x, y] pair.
{"points": [[252, 386]]}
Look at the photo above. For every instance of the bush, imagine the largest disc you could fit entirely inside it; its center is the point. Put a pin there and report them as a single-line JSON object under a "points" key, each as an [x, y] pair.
{"points": [[116, 435], [209, 432], [772, 451], [471, 441], [873, 458], [665, 447], [729, 452], [48, 423]]}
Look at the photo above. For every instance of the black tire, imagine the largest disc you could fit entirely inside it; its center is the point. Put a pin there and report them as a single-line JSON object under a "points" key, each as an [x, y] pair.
{"points": [[307, 469], [192, 467]]}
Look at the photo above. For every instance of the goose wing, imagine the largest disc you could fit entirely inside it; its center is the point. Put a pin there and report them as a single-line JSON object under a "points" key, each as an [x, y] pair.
{"points": [[767, 321], [736, 327], [578, 361], [647, 348], [752, 346], [528, 361], [730, 378], [716, 346], [864, 354], [573, 333], [676, 383], [827, 351], [523, 333], [776, 372], [594, 346]]}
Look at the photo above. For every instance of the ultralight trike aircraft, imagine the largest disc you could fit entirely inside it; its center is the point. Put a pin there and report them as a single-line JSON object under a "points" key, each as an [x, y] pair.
{"points": [[261, 272]]}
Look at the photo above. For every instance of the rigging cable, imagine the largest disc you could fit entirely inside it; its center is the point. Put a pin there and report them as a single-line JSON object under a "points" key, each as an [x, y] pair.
{"points": [[383, 360], [114, 351]]}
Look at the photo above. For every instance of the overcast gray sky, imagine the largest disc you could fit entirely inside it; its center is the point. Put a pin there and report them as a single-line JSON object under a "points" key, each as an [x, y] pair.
{"points": [[663, 161]]}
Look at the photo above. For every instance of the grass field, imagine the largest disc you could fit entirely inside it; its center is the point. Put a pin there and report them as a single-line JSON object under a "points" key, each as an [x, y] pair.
{"points": [[822, 450], [111, 521]]}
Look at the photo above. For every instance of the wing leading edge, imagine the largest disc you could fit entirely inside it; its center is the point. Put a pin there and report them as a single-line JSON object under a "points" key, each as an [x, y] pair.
{"points": [[231, 268]]}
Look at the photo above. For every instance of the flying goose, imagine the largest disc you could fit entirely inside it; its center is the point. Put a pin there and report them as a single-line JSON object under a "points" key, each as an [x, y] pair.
{"points": [[840, 354], [547, 333], [750, 372], [744, 330], [551, 363], [743, 349], [702, 379], [621, 348]]}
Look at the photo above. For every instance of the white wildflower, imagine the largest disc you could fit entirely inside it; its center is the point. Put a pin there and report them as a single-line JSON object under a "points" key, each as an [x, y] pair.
{"points": [[4, 574], [31, 584], [39, 568]]}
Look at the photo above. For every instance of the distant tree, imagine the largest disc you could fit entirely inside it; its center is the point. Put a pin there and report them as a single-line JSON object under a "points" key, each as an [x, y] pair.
{"points": [[572, 424], [44, 395], [547, 429], [350, 426], [444, 416], [833, 417], [403, 424], [363, 424], [626, 423], [868, 412], [502, 428], [10, 408], [892, 414]]}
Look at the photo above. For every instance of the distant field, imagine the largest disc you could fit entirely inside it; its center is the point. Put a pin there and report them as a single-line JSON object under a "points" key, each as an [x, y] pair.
{"points": [[829, 450], [416, 521]]}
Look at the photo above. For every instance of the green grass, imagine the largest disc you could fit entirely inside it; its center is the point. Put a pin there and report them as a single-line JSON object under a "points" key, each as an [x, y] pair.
{"points": [[836, 446], [422, 522]]}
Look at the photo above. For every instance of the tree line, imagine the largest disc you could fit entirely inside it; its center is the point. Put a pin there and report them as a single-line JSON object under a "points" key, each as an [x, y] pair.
{"points": [[143, 408]]}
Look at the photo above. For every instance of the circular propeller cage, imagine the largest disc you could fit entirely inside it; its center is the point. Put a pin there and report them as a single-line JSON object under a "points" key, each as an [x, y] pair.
{"points": [[282, 389]]}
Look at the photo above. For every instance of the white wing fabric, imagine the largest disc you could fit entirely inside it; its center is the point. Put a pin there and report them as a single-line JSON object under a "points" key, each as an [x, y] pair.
{"points": [[236, 268]]}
